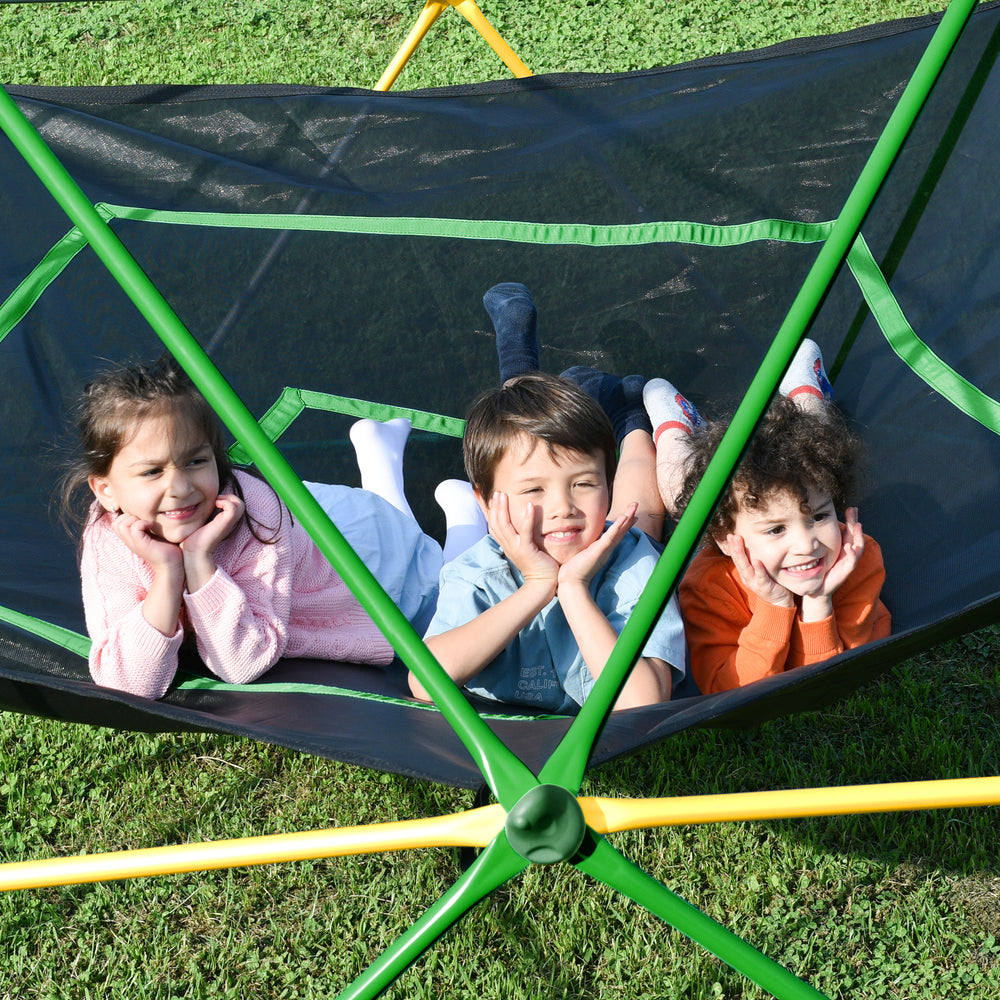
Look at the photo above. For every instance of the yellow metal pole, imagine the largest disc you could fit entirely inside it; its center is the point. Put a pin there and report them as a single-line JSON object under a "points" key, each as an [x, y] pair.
{"points": [[474, 828], [479, 827], [611, 815], [475, 17], [431, 12]]}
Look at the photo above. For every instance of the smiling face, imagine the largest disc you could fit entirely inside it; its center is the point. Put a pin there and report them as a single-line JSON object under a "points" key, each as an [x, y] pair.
{"points": [[166, 475], [797, 545], [569, 490]]}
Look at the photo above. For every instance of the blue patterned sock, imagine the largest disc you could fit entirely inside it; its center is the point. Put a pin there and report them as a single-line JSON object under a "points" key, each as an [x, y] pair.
{"points": [[621, 399]]}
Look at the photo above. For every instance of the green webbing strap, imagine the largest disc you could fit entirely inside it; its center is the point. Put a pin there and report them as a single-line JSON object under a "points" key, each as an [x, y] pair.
{"points": [[29, 291], [925, 187], [80, 644], [289, 687], [914, 353], [506, 231], [48, 269], [290, 404], [55, 634]]}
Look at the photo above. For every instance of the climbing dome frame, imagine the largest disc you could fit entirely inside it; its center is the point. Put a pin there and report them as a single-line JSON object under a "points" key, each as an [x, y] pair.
{"points": [[539, 816]]}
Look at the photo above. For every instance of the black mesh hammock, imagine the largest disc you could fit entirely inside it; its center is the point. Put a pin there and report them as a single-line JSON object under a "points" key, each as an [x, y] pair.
{"points": [[328, 250]]}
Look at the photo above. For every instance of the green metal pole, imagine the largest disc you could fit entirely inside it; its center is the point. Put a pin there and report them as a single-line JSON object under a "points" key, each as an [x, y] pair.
{"points": [[496, 865], [568, 762], [611, 868], [506, 775]]}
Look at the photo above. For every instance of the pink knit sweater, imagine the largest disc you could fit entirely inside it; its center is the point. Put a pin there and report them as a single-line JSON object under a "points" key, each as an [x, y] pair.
{"points": [[265, 601]]}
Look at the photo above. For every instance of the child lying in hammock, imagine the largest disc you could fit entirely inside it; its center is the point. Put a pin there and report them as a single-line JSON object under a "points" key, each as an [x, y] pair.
{"points": [[177, 546], [529, 615], [781, 583]]}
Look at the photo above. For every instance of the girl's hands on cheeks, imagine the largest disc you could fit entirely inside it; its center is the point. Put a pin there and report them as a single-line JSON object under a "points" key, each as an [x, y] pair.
{"points": [[199, 547], [582, 567], [521, 543], [204, 541], [136, 534], [755, 577]]}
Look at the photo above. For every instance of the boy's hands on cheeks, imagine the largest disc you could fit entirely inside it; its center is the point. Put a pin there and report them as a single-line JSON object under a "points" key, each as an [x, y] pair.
{"points": [[582, 567], [522, 543]]}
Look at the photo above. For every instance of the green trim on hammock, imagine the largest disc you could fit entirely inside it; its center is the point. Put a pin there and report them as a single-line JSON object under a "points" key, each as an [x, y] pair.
{"points": [[900, 336], [56, 634], [17, 305], [80, 644], [290, 404], [210, 684], [29, 291], [913, 352], [507, 231]]}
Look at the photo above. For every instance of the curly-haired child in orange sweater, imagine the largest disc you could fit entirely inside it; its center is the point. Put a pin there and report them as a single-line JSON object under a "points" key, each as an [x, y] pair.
{"points": [[781, 581]]}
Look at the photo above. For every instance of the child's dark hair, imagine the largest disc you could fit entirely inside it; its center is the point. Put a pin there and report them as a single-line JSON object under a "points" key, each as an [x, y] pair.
{"points": [[793, 450], [107, 413], [545, 407]]}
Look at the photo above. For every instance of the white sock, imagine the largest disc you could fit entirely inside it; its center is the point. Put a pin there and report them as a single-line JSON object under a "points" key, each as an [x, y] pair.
{"points": [[463, 516], [806, 381], [379, 449], [668, 409]]}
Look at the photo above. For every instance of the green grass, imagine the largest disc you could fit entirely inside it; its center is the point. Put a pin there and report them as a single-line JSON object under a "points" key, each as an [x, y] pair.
{"points": [[902, 906], [350, 43], [898, 905]]}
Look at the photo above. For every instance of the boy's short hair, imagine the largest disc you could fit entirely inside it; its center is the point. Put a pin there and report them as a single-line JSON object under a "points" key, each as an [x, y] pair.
{"points": [[793, 451], [544, 407]]}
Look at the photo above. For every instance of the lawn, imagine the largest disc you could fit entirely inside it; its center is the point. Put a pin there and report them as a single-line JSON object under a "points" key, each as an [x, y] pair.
{"points": [[903, 906]]}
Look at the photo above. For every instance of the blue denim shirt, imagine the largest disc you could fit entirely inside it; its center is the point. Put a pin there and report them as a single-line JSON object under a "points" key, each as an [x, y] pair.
{"points": [[543, 666]]}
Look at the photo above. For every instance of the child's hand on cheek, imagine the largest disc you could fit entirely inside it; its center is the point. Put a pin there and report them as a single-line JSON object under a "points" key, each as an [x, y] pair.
{"points": [[755, 577], [851, 551], [136, 534], [582, 567], [199, 547], [522, 544], [204, 541]]}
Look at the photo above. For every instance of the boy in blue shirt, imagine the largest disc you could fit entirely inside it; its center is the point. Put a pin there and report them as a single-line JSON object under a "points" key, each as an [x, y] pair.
{"points": [[530, 613]]}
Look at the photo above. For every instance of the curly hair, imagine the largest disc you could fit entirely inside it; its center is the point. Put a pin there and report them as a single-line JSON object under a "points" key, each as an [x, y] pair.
{"points": [[794, 451], [545, 407]]}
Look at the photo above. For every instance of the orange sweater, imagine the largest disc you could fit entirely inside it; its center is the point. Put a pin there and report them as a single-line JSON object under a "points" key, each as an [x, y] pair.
{"points": [[735, 638]]}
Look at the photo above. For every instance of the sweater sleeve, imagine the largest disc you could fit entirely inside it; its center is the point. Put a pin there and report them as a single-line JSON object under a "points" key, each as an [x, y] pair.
{"points": [[858, 614], [126, 652], [730, 644], [241, 615]]}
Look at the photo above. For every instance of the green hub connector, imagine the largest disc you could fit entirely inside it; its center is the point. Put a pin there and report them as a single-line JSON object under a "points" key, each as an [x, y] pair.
{"points": [[546, 825]]}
